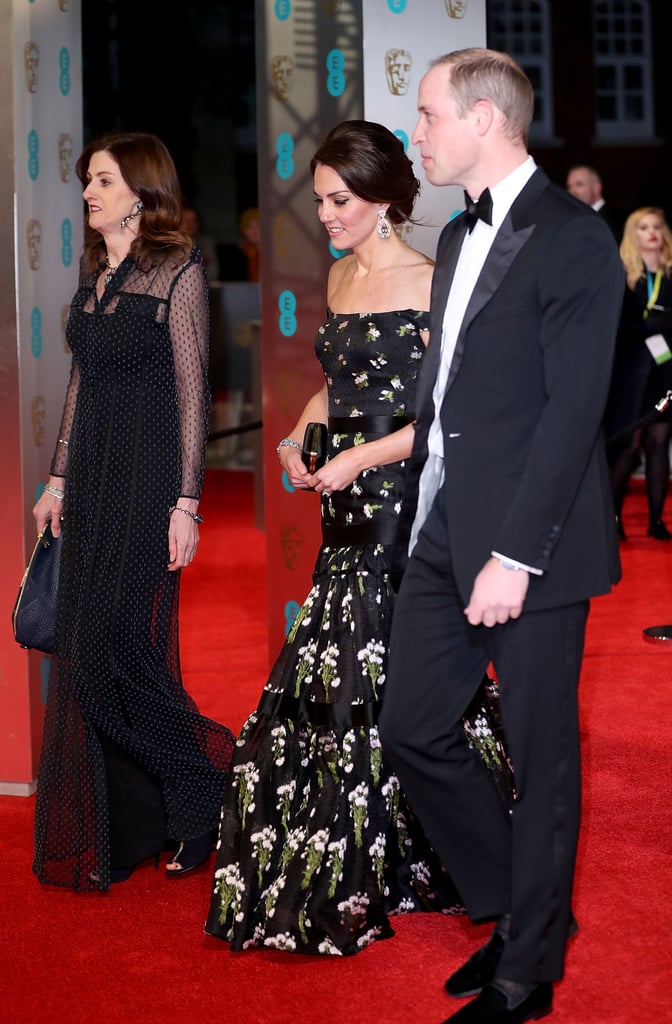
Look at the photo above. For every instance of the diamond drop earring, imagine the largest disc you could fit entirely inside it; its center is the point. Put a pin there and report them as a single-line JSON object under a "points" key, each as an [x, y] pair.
{"points": [[384, 228]]}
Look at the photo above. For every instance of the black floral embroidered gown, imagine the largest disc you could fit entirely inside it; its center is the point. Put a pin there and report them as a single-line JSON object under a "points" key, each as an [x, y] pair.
{"points": [[317, 846], [127, 762]]}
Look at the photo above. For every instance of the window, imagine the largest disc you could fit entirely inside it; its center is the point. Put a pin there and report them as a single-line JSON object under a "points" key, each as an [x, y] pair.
{"points": [[521, 28], [623, 93]]}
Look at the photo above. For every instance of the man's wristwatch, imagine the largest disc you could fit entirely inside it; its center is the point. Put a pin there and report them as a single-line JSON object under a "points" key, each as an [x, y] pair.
{"points": [[506, 563]]}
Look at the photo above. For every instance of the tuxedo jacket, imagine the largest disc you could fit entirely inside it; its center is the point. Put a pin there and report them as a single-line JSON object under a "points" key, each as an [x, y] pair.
{"points": [[525, 465]]}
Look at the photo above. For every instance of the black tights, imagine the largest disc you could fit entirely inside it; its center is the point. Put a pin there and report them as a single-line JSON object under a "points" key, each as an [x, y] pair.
{"points": [[654, 439]]}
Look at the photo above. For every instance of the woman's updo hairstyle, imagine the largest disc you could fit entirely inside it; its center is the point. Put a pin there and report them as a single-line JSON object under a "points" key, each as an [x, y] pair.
{"points": [[372, 163]]}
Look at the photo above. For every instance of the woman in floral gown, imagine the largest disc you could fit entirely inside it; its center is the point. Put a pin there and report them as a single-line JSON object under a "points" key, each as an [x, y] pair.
{"points": [[317, 846]]}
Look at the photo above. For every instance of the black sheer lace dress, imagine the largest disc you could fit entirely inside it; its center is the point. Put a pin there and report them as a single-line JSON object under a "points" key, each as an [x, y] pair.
{"points": [[128, 763]]}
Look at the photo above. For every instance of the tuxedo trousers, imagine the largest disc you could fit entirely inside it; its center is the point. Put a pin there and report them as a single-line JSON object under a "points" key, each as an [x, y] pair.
{"points": [[521, 860]]}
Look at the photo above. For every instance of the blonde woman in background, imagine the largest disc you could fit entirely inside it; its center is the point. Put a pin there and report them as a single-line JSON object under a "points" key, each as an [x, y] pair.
{"points": [[643, 364]]}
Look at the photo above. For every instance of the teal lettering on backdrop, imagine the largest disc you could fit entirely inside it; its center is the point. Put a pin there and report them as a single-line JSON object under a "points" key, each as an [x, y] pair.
{"points": [[36, 331], [33, 155], [66, 237], [336, 78], [283, 9], [64, 65], [284, 147], [287, 319]]}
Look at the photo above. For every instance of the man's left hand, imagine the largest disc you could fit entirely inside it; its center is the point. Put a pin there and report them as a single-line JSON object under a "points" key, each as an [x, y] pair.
{"points": [[498, 594]]}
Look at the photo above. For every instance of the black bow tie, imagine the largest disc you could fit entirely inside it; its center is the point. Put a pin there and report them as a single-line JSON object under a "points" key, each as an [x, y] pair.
{"points": [[482, 209]]}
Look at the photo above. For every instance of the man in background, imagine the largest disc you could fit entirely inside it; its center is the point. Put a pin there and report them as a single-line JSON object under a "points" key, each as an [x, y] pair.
{"points": [[586, 184]]}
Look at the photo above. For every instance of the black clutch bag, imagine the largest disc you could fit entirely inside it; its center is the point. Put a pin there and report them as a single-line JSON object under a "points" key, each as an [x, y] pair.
{"points": [[314, 451], [34, 614]]}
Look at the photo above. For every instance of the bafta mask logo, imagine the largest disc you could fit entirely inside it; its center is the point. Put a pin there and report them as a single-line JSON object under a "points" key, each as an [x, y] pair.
{"points": [[34, 237], [38, 411], [331, 7], [291, 542], [456, 8], [65, 151], [398, 71], [284, 234], [282, 69], [64, 5], [31, 63]]}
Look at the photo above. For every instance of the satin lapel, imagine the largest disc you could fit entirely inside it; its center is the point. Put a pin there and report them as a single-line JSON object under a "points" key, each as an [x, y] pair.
{"points": [[448, 252], [506, 246]]}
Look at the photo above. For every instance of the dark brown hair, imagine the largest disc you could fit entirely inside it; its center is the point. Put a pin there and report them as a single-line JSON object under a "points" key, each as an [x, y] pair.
{"points": [[372, 163], [148, 169]]}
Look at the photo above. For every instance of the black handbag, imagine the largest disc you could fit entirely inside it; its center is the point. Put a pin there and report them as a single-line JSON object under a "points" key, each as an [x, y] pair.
{"points": [[34, 614], [314, 451]]}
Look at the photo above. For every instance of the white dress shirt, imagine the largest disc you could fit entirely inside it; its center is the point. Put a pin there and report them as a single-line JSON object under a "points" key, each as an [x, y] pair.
{"points": [[473, 254]]}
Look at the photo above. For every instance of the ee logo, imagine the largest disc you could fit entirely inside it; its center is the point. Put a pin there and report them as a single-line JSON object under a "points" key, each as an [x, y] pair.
{"points": [[336, 78], [284, 147], [33, 155], [287, 319]]}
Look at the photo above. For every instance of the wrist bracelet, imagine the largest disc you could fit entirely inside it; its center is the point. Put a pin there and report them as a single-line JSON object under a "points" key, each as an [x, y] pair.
{"points": [[288, 442], [56, 491], [192, 515]]}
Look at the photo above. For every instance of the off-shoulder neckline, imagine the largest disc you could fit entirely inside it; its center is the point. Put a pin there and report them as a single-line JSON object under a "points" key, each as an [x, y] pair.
{"points": [[380, 312]]}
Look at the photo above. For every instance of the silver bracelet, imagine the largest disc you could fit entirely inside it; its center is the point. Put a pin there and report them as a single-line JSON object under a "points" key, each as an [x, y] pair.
{"points": [[56, 491], [192, 515], [288, 442]]}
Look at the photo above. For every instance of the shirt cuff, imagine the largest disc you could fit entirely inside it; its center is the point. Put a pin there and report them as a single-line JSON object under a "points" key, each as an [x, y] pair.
{"points": [[511, 563]]}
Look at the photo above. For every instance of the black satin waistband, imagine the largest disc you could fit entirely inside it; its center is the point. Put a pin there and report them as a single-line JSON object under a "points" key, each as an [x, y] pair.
{"points": [[284, 705], [359, 533], [367, 424]]}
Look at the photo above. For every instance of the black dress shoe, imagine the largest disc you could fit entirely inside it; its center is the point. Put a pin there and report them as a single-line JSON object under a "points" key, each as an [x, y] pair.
{"points": [[658, 530], [491, 1007], [478, 971]]}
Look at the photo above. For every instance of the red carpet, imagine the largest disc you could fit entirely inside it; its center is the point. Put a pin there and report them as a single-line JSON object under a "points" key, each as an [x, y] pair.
{"points": [[139, 956]]}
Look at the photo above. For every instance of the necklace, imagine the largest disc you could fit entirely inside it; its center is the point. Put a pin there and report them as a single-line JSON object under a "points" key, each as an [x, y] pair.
{"points": [[110, 271]]}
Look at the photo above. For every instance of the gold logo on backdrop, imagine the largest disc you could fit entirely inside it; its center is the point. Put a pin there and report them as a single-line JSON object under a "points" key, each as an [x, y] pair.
{"points": [[38, 409], [64, 5], [456, 8], [282, 70], [31, 63], [331, 7], [65, 151], [284, 234], [65, 313], [291, 542], [398, 71], [34, 237]]}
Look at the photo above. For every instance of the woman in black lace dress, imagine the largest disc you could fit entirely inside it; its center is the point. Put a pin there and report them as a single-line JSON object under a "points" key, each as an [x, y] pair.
{"points": [[317, 846], [128, 765]]}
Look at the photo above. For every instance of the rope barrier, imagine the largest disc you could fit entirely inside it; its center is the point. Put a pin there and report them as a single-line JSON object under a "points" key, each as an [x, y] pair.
{"points": [[243, 428], [657, 412]]}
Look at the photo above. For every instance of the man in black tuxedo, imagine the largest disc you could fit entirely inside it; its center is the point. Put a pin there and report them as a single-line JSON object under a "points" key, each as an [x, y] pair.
{"points": [[513, 526], [586, 184]]}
